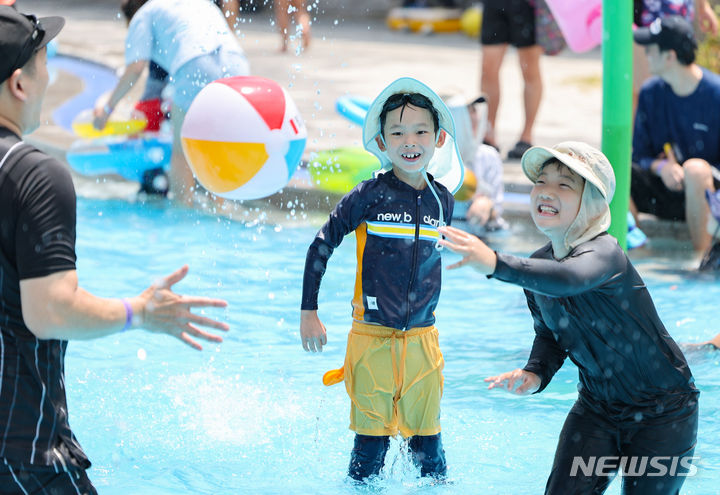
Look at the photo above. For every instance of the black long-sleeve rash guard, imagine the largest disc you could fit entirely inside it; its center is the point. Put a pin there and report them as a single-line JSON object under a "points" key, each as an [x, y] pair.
{"points": [[593, 306]]}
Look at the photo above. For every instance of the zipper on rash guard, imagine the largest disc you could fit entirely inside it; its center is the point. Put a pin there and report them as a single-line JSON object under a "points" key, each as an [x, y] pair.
{"points": [[413, 266]]}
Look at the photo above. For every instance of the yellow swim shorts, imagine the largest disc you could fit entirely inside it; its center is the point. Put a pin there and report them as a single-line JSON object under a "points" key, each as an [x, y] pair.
{"points": [[394, 380]]}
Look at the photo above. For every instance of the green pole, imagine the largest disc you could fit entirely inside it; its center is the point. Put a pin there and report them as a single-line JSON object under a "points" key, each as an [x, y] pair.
{"points": [[617, 106]]}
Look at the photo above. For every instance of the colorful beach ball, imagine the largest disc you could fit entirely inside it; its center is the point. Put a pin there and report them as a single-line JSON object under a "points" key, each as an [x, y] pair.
{"points": [[243, 137]]}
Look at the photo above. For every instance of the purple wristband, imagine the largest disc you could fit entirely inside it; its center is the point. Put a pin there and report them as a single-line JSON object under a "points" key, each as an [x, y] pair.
{"points": [[661, 166], [128, 314]]}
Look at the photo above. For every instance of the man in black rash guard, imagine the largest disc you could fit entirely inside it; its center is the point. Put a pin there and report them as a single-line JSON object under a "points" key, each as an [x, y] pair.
{"points": [[637, 407], [41, 304]]}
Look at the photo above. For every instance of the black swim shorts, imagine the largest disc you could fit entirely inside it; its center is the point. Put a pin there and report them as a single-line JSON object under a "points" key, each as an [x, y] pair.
{"points": [[508, 21], [650, 195]]}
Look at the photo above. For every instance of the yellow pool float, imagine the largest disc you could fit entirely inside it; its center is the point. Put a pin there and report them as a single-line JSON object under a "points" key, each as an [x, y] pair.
{"points": [[83, 127], [425, 20]]}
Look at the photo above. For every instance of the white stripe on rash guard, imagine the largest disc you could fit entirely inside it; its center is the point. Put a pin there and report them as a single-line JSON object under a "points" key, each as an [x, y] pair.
{"points": [[12, 406], [9, 151], [77, 490], [42, 402], [15, 477]]}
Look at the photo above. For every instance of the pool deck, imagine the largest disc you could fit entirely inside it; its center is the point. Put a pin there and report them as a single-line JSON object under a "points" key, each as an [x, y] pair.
{"points": [[356, 57]]}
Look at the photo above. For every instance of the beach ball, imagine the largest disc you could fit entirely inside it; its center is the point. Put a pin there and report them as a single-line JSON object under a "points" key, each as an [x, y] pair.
{"points": [[471, 21], [243, 137]]}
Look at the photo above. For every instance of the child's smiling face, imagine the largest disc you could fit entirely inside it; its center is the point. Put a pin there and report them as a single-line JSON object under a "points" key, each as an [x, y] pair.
{"points": [[555, 199], [409, 140]]}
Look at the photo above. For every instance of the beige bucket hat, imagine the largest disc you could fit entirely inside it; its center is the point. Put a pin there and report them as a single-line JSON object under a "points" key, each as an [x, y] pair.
{"points": [[593, 218], [579, 157]]}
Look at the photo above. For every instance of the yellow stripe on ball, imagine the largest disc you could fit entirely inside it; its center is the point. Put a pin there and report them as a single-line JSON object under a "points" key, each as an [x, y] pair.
{"points": [[223, 167]]}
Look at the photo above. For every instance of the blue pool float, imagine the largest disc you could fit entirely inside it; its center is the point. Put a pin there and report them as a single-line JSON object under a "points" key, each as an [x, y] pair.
{"points": [[353, 108], [129, 158]]}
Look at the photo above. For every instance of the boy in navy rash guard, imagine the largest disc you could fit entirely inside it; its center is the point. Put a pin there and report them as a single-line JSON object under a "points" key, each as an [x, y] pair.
{"points": [[637, 406], [393, 364], [676, 150]]}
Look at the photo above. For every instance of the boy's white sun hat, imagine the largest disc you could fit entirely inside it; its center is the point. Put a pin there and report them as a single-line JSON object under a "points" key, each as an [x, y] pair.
{"points": [[446, 165]]}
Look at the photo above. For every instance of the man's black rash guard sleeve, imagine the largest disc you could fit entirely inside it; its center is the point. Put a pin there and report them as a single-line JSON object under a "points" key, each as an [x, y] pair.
{"points": [[546, 356]]}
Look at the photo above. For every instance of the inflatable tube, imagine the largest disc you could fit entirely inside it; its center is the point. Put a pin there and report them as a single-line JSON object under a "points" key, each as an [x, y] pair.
{"points": [[352, 108], [341, 169], [97, 79], [580, 22], [468, 187], [128, 158], [83, 126], [425, 19], [52, 48]]}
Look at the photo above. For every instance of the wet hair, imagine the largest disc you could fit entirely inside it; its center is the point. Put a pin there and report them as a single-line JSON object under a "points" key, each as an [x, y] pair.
{"points": [[130, 7], [402, 100]]}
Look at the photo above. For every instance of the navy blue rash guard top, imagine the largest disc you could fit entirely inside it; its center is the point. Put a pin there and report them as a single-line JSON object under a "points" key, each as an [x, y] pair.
{"points": [[593, 307], [690, 123], [399, 271]]}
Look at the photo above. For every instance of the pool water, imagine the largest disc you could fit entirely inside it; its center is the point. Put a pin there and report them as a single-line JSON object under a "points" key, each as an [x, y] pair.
{"points": [[252, 416]]}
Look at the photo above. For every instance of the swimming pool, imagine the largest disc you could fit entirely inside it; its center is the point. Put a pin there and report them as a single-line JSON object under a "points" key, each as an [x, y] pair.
{"points": [[251, 415]]}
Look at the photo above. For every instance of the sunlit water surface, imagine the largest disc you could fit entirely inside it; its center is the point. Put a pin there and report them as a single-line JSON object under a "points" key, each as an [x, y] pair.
{"points": [[251, 415]]}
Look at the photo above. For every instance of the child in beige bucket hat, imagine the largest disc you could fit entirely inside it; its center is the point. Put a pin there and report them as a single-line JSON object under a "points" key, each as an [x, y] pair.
{"points": [[636, 394]]}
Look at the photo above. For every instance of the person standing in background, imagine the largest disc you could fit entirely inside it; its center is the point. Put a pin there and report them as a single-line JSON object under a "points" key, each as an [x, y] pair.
{"points": [[510, 22], [284, 9], [190, 39]]}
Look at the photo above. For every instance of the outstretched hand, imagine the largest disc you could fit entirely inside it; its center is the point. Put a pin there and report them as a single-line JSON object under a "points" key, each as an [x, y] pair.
{"points": [[474, 251], [518, 382], [164, 311]]}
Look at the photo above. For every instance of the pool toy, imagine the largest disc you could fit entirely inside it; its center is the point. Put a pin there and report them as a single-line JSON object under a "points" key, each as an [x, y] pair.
{"points": [[580, 22], [471, 21], [468, 186], [333, 376], [352, 108], [97, 79], [243, 137], [425, 19], [635, 237], [339, 170], [129, 158], [52, 48], [153, 111], [83, 127]]}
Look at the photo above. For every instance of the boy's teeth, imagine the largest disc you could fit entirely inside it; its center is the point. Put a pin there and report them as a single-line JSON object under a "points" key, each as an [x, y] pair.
{"points": [[411, 155]]}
